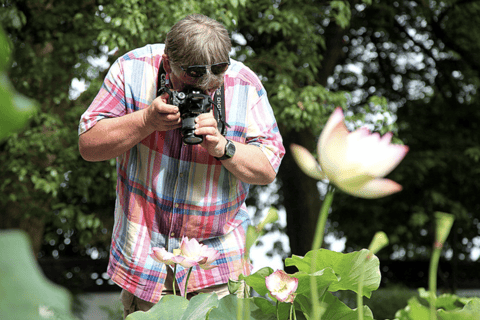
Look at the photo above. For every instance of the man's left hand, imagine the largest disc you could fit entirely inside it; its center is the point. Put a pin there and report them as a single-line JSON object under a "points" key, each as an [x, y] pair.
{"points": [[213, 141]]}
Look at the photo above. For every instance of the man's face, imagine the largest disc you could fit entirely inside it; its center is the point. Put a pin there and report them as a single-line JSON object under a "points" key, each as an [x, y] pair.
{"points": [[208, 83]]}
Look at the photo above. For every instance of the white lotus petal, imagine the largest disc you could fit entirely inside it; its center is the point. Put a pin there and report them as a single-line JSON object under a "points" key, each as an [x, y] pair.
{"points": [[373, 189], [335, 118], [306, 162]]}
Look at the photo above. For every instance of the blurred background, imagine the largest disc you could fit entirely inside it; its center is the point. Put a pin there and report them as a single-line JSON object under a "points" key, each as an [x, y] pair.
{"points": [[411, 67]]}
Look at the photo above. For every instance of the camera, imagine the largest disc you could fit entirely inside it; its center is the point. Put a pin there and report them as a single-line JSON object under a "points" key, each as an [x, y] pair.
{"points": [[191, 102]]}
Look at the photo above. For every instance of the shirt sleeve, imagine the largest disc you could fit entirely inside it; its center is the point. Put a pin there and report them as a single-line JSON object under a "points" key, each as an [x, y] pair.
{"points": [[110, 100], [263, 130]]}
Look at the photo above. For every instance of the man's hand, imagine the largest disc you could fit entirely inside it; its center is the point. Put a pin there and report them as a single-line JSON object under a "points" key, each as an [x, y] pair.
{"points": [[161, 116], [213, 141]]}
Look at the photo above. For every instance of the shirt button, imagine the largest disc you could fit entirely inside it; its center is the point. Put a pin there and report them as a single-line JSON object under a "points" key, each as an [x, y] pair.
{"points": [[176, 205], [172, 234], [181, 175]]}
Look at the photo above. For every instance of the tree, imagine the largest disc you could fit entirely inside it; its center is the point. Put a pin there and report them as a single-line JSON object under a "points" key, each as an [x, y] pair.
{"points": [[423, 57], [311, 56], [62, 201]]}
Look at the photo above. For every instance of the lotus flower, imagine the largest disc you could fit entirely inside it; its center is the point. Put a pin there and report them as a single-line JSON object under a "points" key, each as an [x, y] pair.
{"points": [[355, 162], [190, 254], [281, 286], [195, 253]]}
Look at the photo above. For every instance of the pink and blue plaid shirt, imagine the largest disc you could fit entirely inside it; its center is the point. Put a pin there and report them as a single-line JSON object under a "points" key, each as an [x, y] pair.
{"points": [[167, 190]]}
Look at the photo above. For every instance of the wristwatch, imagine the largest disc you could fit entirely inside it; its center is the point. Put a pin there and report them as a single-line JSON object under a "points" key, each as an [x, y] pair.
{"points": [[229, 151]]}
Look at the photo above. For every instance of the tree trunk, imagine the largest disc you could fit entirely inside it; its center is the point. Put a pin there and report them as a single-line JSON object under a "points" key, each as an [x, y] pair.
{"points": [[301, 198]]}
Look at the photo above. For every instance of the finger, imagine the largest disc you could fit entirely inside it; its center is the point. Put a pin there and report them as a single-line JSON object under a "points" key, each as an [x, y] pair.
{"points": [[205, 122], [162, 107], [165, 97], [212, 131], [169, 117]]}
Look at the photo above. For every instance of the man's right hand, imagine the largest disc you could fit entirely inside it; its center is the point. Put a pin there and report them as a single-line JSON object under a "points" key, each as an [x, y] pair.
{"points": [[111, 137], [161, 116]]}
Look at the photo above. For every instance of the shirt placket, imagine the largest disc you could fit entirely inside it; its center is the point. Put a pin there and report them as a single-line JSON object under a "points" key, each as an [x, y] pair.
{"points": [[175, 229]]}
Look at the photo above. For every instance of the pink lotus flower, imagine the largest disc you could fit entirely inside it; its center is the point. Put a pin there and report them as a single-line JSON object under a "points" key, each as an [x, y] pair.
{"points": [[195, 253], [355, 162], [281, 286], [190, 254]]}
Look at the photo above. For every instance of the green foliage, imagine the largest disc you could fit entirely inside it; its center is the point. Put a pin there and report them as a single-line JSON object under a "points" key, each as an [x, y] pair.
{"points": [[334, 273], [16, 109], [347, 267], [424, 60], [448, 306], [45, 181], [24, 292], [311, 57]]}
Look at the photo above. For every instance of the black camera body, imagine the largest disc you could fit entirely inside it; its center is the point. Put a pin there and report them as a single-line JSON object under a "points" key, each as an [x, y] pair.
{"points": [[191, 102]]}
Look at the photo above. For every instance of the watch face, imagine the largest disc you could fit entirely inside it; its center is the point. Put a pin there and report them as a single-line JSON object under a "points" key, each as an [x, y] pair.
{"points": [[230, 149]]}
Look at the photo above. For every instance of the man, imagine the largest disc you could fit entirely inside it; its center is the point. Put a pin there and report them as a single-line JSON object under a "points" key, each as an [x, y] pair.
{"points": [[167, 189]]}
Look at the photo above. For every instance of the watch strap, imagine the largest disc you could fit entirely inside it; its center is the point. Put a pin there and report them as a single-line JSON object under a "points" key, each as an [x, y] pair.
{"points": [[226, 155]]}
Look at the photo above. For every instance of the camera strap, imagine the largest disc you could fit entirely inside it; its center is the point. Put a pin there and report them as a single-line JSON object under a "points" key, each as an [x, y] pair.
{"points": [[219, 100]]}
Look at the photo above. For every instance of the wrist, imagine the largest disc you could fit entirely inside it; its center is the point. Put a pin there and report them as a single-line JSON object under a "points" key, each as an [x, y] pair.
{"points": [[220, 151], [145, 122], [228, 150]]}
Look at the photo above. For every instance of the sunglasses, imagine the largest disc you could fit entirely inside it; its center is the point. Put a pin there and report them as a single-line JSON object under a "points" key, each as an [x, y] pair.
{"points": [[199, 71]]}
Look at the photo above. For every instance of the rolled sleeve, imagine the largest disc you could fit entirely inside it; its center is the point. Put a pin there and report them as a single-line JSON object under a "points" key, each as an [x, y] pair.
{"points": [[263, 131], [109, 102]]}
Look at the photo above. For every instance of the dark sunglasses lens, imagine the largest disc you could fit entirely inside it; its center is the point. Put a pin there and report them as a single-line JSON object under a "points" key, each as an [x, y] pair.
{"points": [[219, 68], [196, 71]]}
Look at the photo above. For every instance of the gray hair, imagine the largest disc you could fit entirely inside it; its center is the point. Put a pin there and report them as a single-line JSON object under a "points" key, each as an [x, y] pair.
{"points": [[198, 40]]}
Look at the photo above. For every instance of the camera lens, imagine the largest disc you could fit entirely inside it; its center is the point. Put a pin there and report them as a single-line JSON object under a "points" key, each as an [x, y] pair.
{"points": [[192, 139], [188, 129]]}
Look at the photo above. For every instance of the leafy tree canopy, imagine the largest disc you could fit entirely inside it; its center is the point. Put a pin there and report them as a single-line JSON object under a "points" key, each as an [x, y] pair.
{"points": [[415, 61]]}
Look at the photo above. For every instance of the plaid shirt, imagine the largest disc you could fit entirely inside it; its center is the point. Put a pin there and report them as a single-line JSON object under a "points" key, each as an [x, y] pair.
{"points": [[167, 190]]}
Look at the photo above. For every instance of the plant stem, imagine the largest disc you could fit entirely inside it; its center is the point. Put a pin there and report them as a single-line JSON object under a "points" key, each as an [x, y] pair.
{"points": [[174, 279], [432, 279], [360, 292], [322, 219], [243, 306], [278, 316], [186, 282], [317, 244]]}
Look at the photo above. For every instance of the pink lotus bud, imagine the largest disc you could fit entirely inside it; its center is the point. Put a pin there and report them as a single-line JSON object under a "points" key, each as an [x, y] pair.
{"points": [[281, 286]]}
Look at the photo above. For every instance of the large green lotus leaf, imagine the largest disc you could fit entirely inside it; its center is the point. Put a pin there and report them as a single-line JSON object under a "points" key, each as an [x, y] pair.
{"points": [[332, 308], [257, 280], [169, 308], [347, 268], [228, 307], [25, 293], [324, 279], [471, 311], [265, 305], [199, 306], [414, 311]]}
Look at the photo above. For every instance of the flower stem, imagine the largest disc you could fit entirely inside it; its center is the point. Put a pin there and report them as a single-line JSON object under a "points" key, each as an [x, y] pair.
{"points": [[317, 244], [186, 282], [360, 292], [174, 279], [278, 316], [322, 219], [432, 280]]}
